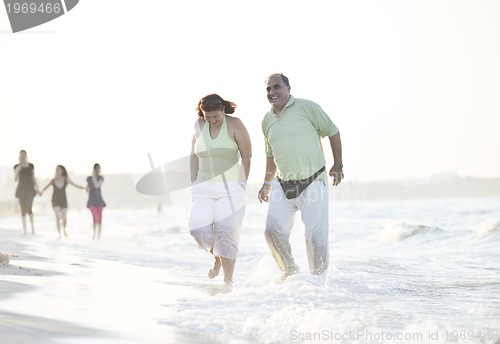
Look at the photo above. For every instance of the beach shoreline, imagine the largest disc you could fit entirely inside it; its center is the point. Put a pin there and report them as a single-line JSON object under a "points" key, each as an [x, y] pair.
{"points": [[32, 277], [392, 270]]}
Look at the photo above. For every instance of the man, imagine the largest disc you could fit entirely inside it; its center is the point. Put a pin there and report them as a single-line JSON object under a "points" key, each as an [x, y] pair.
{"points": [[293, 129]]}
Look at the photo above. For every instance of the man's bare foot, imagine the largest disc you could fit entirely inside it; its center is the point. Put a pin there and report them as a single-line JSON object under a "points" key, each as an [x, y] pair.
{"points": [[215, 270], [289, 272]]}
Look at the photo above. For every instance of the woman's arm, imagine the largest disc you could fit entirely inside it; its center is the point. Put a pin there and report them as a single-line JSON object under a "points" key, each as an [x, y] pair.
{"points": [[35, 184], [17, 170], [47, 186], [96, 181], [244, 143], [194, 162], [69, 181]]}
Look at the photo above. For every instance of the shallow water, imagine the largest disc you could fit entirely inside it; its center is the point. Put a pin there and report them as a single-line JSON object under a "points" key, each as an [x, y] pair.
{"points": [[400, 271]]}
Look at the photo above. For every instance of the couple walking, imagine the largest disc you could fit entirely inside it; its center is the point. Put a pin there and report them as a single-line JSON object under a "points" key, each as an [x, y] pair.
{"points": [[295, 177]]}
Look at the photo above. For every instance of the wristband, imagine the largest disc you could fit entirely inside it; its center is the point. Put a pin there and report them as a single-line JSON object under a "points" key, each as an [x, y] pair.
{"points": [[267, 183]]}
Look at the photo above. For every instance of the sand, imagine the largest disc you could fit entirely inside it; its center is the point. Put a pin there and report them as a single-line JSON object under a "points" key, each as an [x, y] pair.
{"points": [[50, 296]]}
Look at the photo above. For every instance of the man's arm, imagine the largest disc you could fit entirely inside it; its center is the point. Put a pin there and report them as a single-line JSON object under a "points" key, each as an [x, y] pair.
{"points": [[336, 171], [270, 173]]}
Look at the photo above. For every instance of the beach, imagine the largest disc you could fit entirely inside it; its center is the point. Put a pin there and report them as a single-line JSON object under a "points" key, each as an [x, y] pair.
{"points": [[56, 297], [93, 296], [414, 271]]}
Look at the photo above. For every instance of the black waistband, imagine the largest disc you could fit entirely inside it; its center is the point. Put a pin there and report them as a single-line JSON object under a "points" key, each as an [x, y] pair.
{"points": [[306, 180]]}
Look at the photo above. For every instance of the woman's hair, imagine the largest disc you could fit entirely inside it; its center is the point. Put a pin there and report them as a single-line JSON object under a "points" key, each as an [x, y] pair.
{"points": [[214, 102], [21, 152], [64, 172], [96, 166]]}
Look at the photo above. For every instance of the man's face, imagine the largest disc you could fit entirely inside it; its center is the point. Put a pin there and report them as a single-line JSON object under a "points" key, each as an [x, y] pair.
{"points": [[277, 92]]}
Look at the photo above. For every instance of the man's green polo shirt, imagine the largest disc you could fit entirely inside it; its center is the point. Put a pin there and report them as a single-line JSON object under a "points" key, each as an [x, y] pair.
{"points": [[294, 138]]}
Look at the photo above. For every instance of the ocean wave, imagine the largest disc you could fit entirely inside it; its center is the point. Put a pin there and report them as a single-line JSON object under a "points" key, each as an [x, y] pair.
{"points": [[399, 230], [488, 227]]}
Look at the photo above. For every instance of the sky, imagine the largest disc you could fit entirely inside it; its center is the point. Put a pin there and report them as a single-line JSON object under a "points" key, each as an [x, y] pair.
{"points": [[412, 85]]}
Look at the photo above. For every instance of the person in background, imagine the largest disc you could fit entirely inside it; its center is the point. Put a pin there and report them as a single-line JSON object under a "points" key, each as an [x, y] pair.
{"points": [[59, 200], [95, 203], [219, 182], [293, 129], [27, 188]]}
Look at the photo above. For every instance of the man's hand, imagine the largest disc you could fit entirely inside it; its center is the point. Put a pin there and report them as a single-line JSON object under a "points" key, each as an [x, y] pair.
{"points": [[264, 193], [337, 174]]}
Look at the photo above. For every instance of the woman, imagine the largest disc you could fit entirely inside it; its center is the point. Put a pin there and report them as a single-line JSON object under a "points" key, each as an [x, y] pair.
{"points": [[96, 203], [59, 200], [24, 173], [218, 182]]}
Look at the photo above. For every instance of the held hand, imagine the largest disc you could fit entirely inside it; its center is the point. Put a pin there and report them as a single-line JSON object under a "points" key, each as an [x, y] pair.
{"points": [[40, 193], [264, 193], [337, 175]]}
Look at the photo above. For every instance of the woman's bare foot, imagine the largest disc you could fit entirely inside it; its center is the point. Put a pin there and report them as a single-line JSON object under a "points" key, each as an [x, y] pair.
{"points": [[215, 270]]}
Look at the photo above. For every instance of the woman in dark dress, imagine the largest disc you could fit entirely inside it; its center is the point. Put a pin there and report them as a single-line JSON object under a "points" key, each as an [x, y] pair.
{"points": [[59, 200], [27, 188], [95, 203]]}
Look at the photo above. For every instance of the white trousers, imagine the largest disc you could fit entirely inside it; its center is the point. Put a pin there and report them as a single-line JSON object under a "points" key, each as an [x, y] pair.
{"points": [[313, 205], [216, 216]]}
